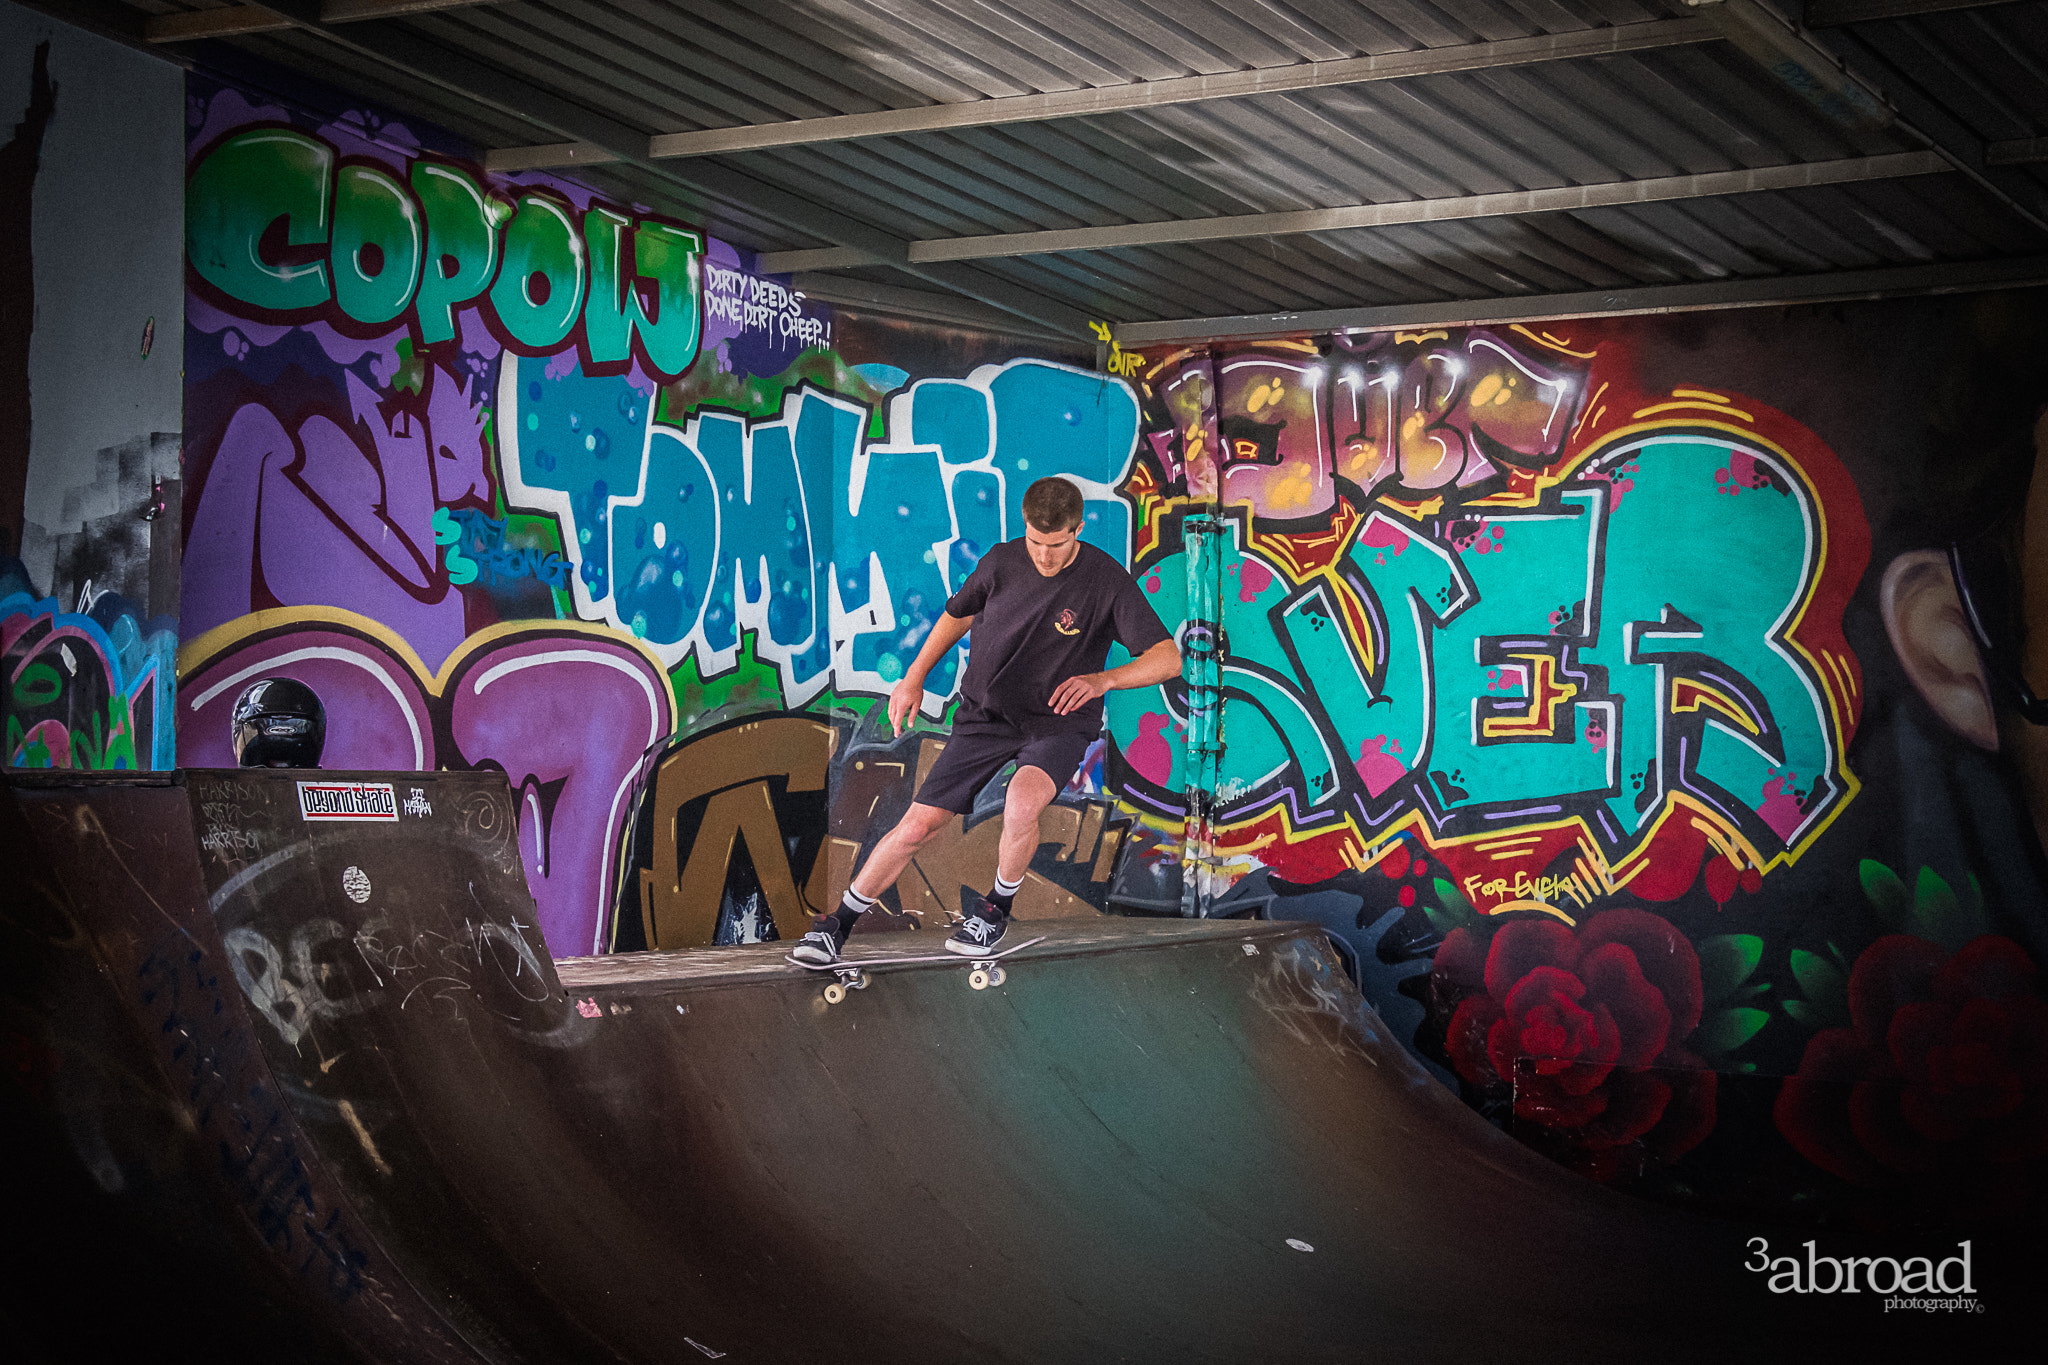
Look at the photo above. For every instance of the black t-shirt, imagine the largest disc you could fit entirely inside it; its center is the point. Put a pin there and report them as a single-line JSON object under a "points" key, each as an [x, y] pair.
{"points": [[1032, 633]]}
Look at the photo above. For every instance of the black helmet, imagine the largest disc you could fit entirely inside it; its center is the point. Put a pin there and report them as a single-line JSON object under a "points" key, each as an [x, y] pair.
{"points": [[278, 723]]}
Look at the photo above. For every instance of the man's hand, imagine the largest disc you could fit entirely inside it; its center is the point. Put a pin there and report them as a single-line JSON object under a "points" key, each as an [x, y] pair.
{"points": [[1155, 665], [1078, 691], [904, 699], [908, 694]]}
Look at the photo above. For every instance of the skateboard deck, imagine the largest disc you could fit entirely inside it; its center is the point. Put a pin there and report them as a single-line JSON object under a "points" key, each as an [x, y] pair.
{"points": [[985, 970]]}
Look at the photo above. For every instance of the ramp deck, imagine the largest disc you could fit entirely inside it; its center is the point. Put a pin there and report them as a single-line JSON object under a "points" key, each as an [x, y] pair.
{"points": [[1157, 1141]]}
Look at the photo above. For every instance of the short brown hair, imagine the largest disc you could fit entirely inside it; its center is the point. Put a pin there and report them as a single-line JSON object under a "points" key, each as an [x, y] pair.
{"points": [[1052, 504]]}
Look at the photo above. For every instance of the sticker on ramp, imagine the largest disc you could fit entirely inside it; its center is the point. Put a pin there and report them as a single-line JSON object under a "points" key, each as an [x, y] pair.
{"points": [[356, 882], [347, 801]]}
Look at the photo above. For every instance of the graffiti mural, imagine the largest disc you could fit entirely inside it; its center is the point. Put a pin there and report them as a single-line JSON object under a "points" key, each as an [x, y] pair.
{"points": [[1574, 683], [288, 226], [514, 476], [1429, 630], [1606, 689], [346, 508], [86, 689]]}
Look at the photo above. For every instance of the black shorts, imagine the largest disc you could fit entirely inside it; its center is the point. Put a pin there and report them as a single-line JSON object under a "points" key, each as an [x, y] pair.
{"points": [[978, 750]]}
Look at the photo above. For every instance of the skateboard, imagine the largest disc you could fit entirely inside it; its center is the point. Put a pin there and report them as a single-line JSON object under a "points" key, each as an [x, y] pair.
{"points": [[986, 969]]}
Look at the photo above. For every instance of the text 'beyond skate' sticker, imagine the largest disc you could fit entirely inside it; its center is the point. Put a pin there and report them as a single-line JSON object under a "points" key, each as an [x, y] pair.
{"points": [[347, 801]]}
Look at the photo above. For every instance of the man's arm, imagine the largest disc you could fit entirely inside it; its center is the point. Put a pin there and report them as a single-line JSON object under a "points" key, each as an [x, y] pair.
{"points": [[908, 694], [1155, 665]]}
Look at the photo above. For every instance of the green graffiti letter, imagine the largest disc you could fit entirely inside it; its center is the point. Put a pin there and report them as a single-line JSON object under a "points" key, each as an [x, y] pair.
{"points": [[236, 199], [377, 244], [462, 245], [120, 749], [666, 256], [607, 326], [540, 290]]}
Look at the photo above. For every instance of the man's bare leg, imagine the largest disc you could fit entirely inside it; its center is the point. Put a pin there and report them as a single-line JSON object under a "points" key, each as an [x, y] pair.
{"points": [[1031, 791], [898, 846], [821, 946]]}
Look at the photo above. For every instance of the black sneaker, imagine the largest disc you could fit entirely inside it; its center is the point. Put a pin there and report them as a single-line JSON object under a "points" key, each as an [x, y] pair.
{"points": [[821, 946], [979, 933]]}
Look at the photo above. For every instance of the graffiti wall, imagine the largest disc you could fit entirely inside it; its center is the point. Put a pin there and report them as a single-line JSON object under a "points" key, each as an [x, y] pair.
{"points": [[89, 398], [518, 477], [1605, 689], [1639, 703]]}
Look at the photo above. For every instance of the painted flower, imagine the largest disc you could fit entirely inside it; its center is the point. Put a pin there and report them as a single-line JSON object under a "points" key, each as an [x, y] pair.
{"points": [[1942, 1074], [1584, 1027]]}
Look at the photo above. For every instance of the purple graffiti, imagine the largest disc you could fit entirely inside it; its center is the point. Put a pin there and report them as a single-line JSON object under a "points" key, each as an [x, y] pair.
{"points": [[379, 716], [339, 511], [567, 714], [569, 719]]}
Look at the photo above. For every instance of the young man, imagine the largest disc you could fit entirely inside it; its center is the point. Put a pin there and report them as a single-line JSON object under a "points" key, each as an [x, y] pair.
{"points": [[1043, 610]]}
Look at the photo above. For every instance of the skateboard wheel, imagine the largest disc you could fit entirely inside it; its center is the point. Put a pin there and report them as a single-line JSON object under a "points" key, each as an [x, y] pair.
{"points": [[859, 981], [834, 993], [997, 976], [978, 979]]}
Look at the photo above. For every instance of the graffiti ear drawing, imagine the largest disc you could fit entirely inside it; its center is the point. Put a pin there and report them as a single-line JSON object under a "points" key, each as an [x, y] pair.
{"points": [[1974, 653], [1924, 617]]}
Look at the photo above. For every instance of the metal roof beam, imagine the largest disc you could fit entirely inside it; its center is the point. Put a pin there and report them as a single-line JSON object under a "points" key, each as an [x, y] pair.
{"points": [[1834, 13], [950, 309], [2018, 152], [1801, 175], [230, 20], [1833, 287], [1598, 42], [1934, 125], [226, 22]]}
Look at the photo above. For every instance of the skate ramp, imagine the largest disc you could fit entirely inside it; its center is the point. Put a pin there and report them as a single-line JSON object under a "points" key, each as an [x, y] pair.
{"points": [[1157, 1140]]}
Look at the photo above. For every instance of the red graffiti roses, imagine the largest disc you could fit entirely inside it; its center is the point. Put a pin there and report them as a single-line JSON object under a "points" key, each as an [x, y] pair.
{"points": [[1584, 1026], [1943, 1072]]}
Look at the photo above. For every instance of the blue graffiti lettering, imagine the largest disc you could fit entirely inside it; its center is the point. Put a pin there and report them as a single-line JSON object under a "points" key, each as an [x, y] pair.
{"points": [[476, 551], [836, 553]]}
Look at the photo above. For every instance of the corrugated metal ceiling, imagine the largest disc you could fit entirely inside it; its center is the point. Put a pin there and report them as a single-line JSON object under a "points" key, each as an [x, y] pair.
{"points": [[521, 73]]}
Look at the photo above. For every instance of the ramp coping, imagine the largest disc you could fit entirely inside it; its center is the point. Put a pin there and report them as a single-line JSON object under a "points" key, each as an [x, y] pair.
{"points": [[765, 961]]}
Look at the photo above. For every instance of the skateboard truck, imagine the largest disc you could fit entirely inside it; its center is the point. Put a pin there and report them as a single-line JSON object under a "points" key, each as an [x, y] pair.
{"points": [[987, 972], [850, 978]]}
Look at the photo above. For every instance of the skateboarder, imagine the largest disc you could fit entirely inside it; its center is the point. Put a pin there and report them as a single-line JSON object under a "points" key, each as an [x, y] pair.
{"points": [[1043, 609]]}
